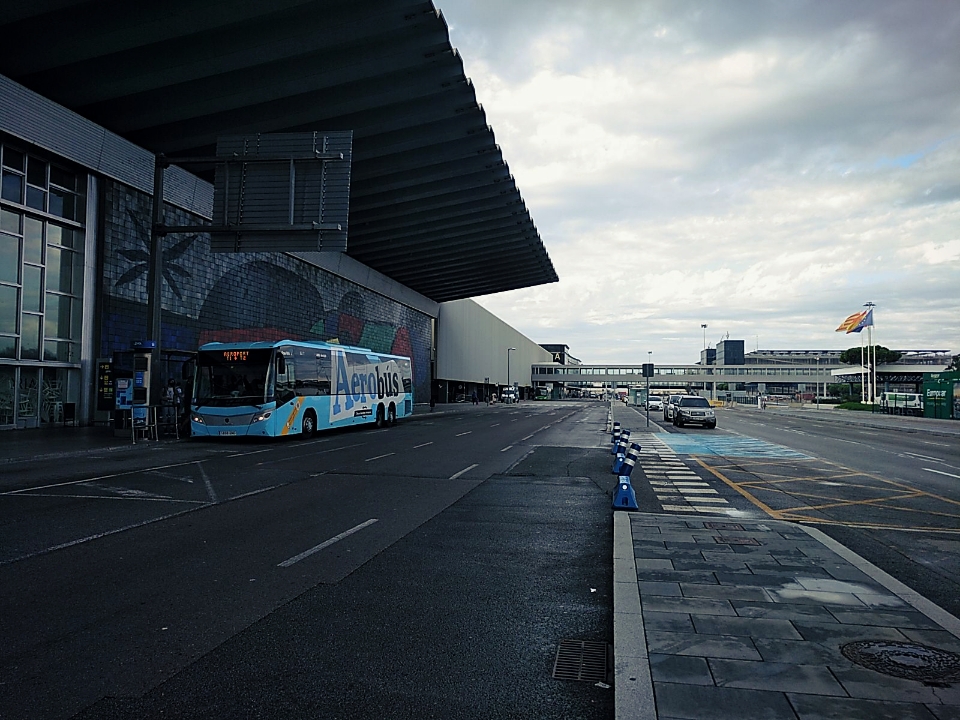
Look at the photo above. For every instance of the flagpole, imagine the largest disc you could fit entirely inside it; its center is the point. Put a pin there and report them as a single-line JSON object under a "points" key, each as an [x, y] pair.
{"points": [[863, 381], [873, 383]]}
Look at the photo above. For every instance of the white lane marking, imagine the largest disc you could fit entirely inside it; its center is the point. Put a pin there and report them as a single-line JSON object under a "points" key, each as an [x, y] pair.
{"points": [[126, 492], [254, 492], [206, 481], [927, 442], [117, 497], [99, 477], [82, 540], [318, 452], [506, 448], [465, 470], [422, 445], [326, 544], [495, 424], [463, 433], [171, 476], [125, 528], [921, 457], [379, 457], [244, 454], [167, 467], [940, 472]]}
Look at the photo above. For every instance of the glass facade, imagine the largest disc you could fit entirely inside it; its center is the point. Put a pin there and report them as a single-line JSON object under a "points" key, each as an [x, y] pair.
{"points": [[42, 209]]}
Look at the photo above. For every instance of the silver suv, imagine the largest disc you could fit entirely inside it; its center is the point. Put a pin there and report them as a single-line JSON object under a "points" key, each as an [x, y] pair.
{"points": [[670, 405], [693, 409]]}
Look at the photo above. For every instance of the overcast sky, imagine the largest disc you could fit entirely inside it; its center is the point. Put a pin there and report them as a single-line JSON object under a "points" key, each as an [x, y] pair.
{"points": [[761, 167]]}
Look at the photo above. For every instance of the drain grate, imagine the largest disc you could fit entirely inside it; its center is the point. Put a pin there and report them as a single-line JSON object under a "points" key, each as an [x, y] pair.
{"points": [[722, 526], [582, 660], [737, 541], [905, 660]]}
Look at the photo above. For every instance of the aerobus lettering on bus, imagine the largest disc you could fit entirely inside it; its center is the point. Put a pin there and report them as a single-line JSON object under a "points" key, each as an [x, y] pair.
{"points": [[272, 389], [359, 385]]}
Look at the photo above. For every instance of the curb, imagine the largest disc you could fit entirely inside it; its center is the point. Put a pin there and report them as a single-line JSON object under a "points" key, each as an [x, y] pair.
{"points": [[632, 682], [922, 605]]}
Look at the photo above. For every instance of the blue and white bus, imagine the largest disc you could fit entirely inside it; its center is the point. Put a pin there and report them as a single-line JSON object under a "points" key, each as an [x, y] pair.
{"points": [[291, 387]]}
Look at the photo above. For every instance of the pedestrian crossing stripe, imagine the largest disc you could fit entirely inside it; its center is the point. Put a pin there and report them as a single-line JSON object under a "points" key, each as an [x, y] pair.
{"points": [[728, 446]]}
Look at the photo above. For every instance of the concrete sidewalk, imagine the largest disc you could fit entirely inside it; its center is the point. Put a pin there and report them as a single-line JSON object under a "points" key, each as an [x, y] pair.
{"points": [[742, 620]]}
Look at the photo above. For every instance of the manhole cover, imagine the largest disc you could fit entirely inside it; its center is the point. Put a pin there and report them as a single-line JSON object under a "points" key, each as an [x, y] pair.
{"points": [[581, 660], [722, 526], [737, 541], [905, 660]]}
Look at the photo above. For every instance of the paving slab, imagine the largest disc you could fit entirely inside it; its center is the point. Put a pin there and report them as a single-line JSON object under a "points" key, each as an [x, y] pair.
{"points": [[770, 622]]}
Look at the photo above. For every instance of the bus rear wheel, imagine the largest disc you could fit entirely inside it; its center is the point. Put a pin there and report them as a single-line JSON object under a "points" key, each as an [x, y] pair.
{"points": [[380, 420], [309, 425]]}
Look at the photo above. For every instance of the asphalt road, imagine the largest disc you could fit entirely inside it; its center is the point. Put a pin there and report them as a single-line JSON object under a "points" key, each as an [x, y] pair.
{"points": [[892, 495], [428, 570]]}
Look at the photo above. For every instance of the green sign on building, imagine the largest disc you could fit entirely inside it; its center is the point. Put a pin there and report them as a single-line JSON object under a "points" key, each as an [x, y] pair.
{"points": [[941, 395]]}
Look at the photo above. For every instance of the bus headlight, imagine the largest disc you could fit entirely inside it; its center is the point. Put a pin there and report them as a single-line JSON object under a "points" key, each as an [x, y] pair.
{"points": [[197, 418], [261, 416]]}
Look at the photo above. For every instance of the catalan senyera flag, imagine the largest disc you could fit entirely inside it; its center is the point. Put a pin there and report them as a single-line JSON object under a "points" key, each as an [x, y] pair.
{"points": [[867, 321], [851, 322]]}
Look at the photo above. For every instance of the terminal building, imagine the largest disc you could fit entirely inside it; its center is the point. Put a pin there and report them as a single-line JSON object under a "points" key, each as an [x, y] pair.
{"points": [[728, 372], [92, 92]]}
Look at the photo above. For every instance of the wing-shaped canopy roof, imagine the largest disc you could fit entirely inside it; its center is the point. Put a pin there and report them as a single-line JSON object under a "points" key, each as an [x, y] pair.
{"points": [[433, 204]]}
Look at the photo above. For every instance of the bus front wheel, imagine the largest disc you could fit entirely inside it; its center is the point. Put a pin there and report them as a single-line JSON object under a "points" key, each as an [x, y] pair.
{"points": [[309, 426], [380, 420]]}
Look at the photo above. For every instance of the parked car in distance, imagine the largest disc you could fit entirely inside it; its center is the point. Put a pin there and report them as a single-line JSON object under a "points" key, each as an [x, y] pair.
{"points": [[670, 405], [693, 409], [654, 403]]}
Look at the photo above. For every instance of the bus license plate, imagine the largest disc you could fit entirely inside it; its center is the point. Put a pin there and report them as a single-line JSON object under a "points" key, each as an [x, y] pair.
{"points": [[228, 432]]}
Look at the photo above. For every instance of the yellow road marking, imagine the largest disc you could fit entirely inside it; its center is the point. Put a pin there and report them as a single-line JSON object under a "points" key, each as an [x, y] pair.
{"points": [[795, 514], [756, 501], [848, 503]]}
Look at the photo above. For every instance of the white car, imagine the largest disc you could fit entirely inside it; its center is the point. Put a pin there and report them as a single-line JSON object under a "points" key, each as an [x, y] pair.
{"points": [[655, 403], [669, 406]]}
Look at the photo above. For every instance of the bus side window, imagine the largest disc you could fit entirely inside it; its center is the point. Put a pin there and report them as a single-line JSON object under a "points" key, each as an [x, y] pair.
{"points": [[323, 373], [285, 380]]}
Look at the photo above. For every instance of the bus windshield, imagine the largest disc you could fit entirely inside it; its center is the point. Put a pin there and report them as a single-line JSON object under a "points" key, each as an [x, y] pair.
{"points": [[229, 378]]}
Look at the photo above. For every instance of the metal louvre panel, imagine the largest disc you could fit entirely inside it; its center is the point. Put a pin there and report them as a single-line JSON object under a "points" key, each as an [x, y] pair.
{"points": [[270, 182]]}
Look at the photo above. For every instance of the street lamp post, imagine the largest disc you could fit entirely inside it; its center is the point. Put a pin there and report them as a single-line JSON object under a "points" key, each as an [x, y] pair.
{"points": [[818, 382], [509, 350]]}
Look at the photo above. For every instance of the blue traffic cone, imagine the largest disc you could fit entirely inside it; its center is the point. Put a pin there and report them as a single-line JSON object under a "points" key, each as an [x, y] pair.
{"points": [[626, 467], [618, 463], [621, 451], [625, 498], [616, 438]]}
